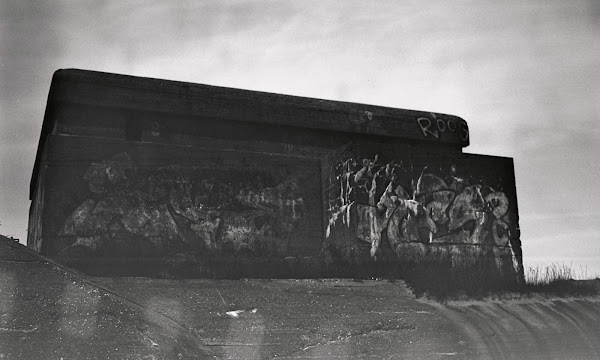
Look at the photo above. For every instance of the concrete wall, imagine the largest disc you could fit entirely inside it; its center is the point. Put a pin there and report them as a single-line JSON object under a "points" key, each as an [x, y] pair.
{"points": [[419, 205], [149, 200], [142, 176]]}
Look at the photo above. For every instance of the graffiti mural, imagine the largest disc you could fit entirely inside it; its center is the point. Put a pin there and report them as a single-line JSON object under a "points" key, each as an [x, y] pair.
{"points": [[150, 211], [383, 201]]}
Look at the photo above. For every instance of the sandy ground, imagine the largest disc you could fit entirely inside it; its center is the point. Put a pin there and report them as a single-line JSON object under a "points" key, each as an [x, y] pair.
{"points": [[49, 312]]}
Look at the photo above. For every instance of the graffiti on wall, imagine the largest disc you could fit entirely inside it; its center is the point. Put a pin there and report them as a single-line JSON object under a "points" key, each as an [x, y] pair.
{"points": [[149, 210], [437, 126], [382, 201]]}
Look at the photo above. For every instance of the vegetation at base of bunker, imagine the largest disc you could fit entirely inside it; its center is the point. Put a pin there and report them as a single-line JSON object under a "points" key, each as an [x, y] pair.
{"points": [[559, 280], [444, 280]]}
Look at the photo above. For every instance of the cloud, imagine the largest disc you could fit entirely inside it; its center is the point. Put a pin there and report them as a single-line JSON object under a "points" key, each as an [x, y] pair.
{"points": [[571, 244], [524, 75]]}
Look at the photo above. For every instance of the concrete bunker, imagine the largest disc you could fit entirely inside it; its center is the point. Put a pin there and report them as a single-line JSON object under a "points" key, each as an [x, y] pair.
{"points": [[139, 176]]}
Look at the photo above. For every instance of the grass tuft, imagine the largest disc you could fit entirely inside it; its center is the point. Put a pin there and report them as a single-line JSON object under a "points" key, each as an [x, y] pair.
{"points": [[559, 280]]}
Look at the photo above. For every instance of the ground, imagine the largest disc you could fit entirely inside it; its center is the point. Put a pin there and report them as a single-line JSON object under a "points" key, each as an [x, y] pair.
{"points": [[50, 312]]}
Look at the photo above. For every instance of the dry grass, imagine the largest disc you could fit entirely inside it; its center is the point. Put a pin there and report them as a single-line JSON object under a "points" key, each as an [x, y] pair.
{"points": [[544, 275], [442, 280], [559, 280]]}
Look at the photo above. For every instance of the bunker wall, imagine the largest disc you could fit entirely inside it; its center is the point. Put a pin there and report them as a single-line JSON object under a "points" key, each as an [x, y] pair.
{"points": [[148, 177]]}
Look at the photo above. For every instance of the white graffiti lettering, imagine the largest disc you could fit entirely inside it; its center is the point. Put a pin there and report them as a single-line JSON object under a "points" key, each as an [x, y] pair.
{"points": [[429, 128], [440, 210], [425, 124], [441, 125], [464, 131], [451, 125]]}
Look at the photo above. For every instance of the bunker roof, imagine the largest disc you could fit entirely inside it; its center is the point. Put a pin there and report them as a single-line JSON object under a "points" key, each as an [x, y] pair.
{"points": [[173, 98]]}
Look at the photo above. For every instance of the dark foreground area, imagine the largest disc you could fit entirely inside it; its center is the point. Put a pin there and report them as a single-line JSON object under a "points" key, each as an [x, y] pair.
{"points": [[50, 312]]}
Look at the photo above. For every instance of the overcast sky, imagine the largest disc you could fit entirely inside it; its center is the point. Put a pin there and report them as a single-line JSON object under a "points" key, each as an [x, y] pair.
{"points": [[525, 75]]}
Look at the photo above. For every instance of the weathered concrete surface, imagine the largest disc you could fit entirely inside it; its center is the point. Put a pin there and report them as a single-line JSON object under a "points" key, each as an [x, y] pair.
{"points": [[235, 183], [326, 319], [461, 210], [49, 312], [550, 329], [302, 319]]}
